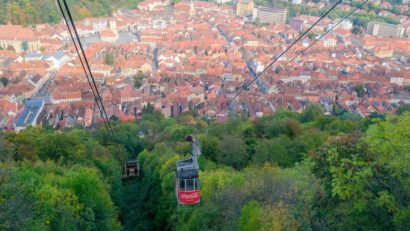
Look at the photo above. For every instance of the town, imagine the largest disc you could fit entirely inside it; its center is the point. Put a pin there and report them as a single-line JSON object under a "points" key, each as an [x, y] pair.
{"points": [[202, 58]]}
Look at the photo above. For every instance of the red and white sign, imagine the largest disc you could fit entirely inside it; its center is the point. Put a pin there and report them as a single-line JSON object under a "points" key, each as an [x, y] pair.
{"points": [[190, 197]]}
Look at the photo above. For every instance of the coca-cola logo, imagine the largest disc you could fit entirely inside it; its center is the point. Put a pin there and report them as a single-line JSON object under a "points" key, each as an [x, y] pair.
{"points": [[188, 196]]}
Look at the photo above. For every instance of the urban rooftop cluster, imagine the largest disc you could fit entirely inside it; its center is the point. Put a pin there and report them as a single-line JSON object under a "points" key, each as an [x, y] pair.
{"points": [[200, 59]]}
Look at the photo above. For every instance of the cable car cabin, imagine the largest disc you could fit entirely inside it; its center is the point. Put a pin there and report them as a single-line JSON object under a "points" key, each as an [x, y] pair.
{"points": [[131, 169], [187, 183]]}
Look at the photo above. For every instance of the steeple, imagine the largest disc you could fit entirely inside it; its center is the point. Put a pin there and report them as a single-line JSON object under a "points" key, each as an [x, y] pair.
{"points": [[192, 9]]}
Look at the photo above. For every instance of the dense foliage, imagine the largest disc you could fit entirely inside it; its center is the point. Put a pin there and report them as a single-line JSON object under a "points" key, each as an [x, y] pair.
{"points": [[359, 19], [30, 12], [286, 171]]}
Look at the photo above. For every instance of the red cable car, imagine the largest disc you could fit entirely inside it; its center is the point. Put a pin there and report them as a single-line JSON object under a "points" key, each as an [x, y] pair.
{"points": [[187, 183]]}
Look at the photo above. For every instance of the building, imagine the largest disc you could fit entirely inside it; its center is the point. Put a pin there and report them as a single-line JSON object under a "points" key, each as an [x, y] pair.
{"points": [[296, 24], [159, 24], [301, 22], [269, 15], [404, 98], [222, 1], [329, 41], [111, 34], [192, 11], [29, 116], [108, 36], [58, 59], [383, 51], [380, 29], [244, 7], [19, 38], [58, 97], [344, 24]]}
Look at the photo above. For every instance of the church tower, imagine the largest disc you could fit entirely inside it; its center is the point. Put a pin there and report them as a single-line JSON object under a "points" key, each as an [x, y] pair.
{"points": [[192, 9]]}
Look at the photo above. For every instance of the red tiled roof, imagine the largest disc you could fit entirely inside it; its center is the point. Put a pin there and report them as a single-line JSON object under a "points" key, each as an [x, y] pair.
{"points": [[16, 32]]}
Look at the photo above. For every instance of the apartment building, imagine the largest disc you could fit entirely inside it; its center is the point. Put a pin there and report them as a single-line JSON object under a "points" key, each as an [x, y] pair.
{"points": [[269, 15], [380, 29], [244, 7]]}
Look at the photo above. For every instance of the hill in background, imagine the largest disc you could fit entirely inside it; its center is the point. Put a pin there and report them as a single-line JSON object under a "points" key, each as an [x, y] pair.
{"points": [[29, 12]]}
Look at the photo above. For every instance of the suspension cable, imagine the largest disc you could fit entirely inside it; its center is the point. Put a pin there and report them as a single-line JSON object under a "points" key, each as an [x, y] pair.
{"points": [[321, 36], [79, 56], [89, 75], [275, 59], [86, 60]]}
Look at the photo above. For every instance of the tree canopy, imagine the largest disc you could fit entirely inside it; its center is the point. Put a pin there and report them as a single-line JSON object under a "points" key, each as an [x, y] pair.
{"points": [[30, 12], [286, 171]]}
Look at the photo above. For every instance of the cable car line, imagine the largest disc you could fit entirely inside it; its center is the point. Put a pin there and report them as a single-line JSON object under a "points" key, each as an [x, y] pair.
{"points": [[275, 59], [321, 36], [80, 58], [281, 54], [93, 86], [86, 62], [167, 19]]}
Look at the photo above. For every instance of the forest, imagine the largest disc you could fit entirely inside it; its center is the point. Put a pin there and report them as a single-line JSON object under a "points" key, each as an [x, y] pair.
{"points": [[286, 171], [31, 12], [359, 19]]}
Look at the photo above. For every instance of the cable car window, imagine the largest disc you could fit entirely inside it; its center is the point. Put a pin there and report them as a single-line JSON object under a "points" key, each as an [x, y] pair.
{"points": [[189, 184], [182, 184]]}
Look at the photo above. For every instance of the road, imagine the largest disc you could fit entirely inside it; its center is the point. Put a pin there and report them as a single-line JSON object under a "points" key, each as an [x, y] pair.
{"points": [[43, 93], [259, 82], [155, 59]]}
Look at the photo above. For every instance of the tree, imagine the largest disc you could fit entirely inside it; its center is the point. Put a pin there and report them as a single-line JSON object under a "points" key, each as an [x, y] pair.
{"points": [[402, 109], [313, 112], [359, 89], [356, 30], [138, 79], [109, 59], [312, 35], [274, 151], [232, 152], [294, 128], [148, 109], [209, 146], [59, 198], [4, 81], [363, 178], [250, 216]]}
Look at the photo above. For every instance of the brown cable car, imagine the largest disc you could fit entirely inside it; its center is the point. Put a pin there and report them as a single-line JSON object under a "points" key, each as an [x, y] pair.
{"points": [[131, 169]]}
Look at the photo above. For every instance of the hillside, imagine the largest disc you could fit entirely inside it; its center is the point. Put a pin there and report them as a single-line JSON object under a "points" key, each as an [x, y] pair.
{"points": [[29, 12], [287, 171]]}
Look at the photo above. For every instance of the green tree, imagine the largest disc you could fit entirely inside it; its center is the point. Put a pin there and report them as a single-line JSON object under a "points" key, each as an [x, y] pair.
{"points": [[109, 59], [209, 146], [363, 178], [232, 152], [250, 216], [148, 109], [402, 109], [359, 89], [4, 81], [138, 79], [272, 150], [313, 112]]}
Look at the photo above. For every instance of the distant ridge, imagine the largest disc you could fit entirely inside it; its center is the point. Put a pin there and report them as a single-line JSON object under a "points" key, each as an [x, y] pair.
{"points": [[45, 11]]}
